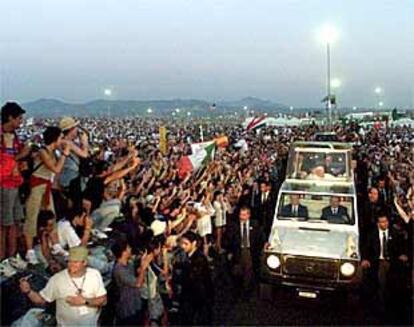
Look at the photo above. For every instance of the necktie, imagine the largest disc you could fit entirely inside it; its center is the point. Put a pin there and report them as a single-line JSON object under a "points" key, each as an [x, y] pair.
{"points": [[334, 211], [384, 246], [245, 240], [295, 211]]}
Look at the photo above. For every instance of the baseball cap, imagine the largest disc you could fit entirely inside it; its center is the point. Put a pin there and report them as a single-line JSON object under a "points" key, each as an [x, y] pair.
{"points": [[78, 253]]}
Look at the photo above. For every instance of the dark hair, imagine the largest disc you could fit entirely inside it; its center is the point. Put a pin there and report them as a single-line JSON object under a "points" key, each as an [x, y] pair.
{"points": [[155, 243], [51, 134], [73, 213], [216, 194], [11, 109], [44, 216], [245, 208], [382, 215], [264, 181], [191, 236], [119, 247], [100, 166]]}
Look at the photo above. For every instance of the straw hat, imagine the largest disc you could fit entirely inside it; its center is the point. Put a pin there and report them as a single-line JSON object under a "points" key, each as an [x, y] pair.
{"points": [[67, 123]]}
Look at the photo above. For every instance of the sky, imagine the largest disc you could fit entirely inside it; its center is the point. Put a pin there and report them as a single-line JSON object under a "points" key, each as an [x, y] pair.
{"points": [[207, 49]]}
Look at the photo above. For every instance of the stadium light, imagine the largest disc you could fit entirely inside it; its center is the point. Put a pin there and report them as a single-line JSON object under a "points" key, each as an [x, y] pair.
{"points": [[108, 93], [335, 83], [378, 90], [328, 34]]}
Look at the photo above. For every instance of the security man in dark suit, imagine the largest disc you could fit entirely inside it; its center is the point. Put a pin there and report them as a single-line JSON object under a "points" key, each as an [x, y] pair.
{"points": [[244, 240], [295, 209], [383, 258], [335, 213], [264, 208]]}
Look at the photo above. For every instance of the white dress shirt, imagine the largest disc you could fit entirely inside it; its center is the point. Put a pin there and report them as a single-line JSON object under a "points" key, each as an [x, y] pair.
{"points": [[242, 223], [381, 233]]}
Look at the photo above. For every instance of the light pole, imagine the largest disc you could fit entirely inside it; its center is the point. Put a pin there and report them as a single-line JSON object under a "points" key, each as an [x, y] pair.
{"points": [[108, 93], [328, 36], [335, 85], [378, 92]]}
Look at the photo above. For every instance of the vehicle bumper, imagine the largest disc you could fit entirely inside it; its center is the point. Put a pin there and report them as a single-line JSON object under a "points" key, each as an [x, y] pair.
{"points": [[310, 283]]}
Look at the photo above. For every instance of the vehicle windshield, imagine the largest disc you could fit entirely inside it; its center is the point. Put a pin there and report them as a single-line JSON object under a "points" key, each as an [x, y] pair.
{"points": [[318, 165], [316, 208]]}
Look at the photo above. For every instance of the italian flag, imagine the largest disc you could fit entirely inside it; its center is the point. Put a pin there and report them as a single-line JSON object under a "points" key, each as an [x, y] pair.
{"points": [[202, 154]]}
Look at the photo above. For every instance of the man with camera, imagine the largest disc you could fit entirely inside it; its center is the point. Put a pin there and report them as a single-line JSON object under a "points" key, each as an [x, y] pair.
{"points": [[71, 177]]}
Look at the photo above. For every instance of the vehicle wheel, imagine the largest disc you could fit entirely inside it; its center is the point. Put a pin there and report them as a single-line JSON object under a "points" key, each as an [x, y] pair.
{"points": [[265, 291]]}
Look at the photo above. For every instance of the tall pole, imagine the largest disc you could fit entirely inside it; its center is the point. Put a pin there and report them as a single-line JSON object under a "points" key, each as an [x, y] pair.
{"points": [[328, 83]]}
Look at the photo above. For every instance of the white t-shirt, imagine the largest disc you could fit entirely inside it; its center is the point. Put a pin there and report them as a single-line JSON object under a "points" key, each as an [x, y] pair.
{"points": [[67, 235], [61, 285]]}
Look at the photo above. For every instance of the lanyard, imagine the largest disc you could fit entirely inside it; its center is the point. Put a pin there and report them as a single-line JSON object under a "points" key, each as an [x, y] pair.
{"points": [[78, 289]]}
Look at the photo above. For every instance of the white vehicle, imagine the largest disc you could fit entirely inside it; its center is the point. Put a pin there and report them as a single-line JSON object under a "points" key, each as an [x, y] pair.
{"points": [[313, 244]]}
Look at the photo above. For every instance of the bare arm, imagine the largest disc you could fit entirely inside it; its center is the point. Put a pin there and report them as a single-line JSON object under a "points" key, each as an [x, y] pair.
{"points": [[87, 231], [401, 211], [82, 152], [120, 164], [48, 162], [34, 297], [122, 173]]}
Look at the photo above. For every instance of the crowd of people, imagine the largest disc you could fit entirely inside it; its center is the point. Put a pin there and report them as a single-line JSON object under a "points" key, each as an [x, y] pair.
{"points": [[66, 183]]}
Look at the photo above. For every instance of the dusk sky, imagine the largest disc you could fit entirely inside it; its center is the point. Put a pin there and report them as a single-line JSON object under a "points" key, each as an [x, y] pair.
{"points": [[213, 50]]}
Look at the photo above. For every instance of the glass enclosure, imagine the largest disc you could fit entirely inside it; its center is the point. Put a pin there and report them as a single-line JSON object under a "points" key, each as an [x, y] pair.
{"points": [[319, 164], [331, 209]]}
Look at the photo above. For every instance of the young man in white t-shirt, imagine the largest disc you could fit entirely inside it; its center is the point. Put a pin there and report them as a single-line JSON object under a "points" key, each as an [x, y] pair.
{"points": [[79, 291], [66, 230]]}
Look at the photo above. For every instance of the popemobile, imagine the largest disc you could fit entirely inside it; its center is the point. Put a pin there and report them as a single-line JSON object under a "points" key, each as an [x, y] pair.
{"points": [[313, 244]]}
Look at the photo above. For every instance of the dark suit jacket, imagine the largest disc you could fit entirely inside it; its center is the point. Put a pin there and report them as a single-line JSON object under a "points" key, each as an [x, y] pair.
{"points": [[264, 212], [389, 196], [302, 211], [232, 242], [197, 285], [341, 215], [371, 249]]}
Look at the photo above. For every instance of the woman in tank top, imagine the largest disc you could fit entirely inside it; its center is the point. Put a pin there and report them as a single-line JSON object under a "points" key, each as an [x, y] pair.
{"points": [[46, 166]]}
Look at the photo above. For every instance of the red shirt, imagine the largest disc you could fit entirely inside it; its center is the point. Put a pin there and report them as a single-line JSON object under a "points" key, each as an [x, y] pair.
{"points": [[10, 176]]}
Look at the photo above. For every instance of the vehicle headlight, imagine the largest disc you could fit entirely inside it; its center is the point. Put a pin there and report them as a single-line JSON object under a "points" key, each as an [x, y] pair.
{"points": [[273, 261], [347, 269]]}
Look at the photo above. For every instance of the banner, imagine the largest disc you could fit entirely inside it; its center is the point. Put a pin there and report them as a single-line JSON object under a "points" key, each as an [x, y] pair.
{"points": [[163, 140]]}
